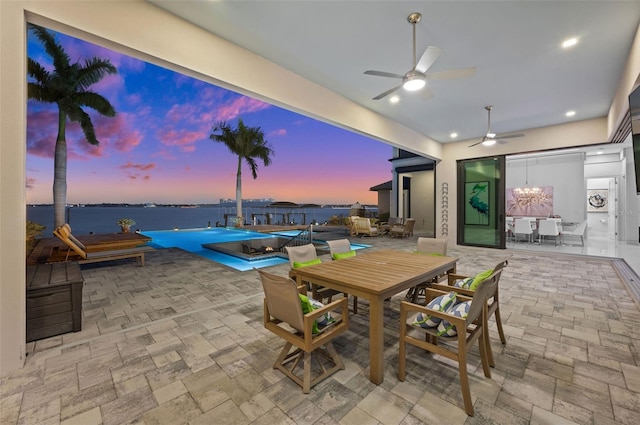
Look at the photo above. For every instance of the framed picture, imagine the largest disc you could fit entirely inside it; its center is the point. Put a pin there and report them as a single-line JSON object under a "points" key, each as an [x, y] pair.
{"points": [[534, 202], [476, 210], [598, 200]]}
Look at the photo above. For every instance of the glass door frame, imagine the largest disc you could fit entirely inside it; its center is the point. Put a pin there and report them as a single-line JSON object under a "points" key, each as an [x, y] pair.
{"points": [[496, 202]]}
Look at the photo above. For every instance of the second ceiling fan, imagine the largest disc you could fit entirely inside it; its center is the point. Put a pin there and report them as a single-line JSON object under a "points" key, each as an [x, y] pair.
{"points": [[416, 77], [491, 138]]}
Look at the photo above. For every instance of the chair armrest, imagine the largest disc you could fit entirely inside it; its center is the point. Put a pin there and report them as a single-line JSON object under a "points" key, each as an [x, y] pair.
{"points": [[342, 303], [406, 307], [431, 293], [449, 288], [452, 277]]}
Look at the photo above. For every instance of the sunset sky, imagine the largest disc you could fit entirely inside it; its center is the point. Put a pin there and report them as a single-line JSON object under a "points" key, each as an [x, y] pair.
{"points": [[157, 148]]}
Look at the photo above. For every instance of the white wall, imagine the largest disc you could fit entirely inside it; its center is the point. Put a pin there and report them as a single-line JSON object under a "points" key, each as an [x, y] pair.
{"points": [[422, 201], [565, 173]]}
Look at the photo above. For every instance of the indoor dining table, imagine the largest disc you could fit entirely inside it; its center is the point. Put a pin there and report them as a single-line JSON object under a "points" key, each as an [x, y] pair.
{"points": [[376, 276]]}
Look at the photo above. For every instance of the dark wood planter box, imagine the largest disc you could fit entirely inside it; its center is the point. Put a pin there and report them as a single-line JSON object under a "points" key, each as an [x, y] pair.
{"points": [[54, 299]]}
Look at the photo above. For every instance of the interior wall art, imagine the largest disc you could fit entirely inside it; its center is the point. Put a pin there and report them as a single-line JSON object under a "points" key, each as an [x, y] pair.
{"points": [[598, 200], [534, 202]]}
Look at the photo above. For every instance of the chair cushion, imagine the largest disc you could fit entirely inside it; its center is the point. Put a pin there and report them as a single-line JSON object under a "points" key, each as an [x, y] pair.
{"points": [[445, 328], [341, 255], [479, 278], [308, 305], [297, 265], [437, 254], [464, 283], [440, 303]]}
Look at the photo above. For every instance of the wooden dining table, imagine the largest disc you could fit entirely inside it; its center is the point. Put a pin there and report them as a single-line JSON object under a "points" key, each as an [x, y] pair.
{"points": [[376, 276]]}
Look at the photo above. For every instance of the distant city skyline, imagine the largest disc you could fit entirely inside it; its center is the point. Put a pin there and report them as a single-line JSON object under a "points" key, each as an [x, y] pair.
{"points": [[157, 148]]}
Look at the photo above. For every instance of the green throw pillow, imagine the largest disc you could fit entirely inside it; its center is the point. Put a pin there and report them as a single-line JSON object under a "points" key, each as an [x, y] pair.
{"points": [[308, 305], [436, 254], [342, 255], [297, 265], [479, 278], [308, 308]]}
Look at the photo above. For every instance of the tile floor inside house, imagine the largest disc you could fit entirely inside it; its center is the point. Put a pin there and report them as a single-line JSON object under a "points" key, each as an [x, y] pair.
{"points": [[181, 341]]}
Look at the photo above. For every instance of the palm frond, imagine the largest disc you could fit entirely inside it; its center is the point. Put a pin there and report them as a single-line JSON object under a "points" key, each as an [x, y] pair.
{"points": [[60, 58], [94, 101], [76, 114], [93, 71]]}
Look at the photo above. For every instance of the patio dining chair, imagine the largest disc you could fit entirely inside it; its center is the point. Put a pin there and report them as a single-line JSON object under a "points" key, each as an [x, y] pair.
{"points": [[303, 256], [340, 249], [448, 325], [456, 282], [427, 246], [283, 315]]}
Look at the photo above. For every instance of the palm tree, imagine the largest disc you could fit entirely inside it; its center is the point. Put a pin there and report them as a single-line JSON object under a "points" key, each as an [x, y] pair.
{"points": [[249, 144], [68, 87]]}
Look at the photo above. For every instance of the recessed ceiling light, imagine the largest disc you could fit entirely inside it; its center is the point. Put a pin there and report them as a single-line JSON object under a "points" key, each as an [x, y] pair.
{"points": [[570, 42], [453, 135], [394, 99], [570, 113]]}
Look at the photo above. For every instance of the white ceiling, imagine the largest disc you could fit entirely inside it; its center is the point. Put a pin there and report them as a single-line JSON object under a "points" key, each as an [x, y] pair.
{"points": [[515, 45]]}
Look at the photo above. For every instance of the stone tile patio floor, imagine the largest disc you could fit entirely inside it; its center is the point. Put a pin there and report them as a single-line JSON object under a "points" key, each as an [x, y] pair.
{"points": [[181, 341]]}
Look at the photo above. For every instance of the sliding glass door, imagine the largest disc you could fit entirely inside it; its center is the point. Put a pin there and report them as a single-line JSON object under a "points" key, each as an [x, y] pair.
{"points": [[481, 202]]}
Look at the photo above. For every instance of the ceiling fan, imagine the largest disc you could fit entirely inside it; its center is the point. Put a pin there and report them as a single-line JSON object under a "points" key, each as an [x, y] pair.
{"points": [[416, 78], [491, 138]]}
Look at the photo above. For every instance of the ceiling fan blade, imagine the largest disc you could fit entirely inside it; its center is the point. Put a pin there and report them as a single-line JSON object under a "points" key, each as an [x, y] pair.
{"points": [[510, 136], [384, 74], [428, 58], [451, 74], [387, 93], [426, 93], [477, 143]]}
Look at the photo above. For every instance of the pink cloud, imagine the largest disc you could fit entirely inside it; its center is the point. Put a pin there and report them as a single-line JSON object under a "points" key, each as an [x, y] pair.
{"points": [[31, 182], [117, 131], [141, 167], [279, 132], [239, 106], [180, 137]]}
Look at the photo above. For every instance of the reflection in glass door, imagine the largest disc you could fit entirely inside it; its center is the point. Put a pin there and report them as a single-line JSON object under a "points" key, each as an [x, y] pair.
{"points": [[481, 202]]}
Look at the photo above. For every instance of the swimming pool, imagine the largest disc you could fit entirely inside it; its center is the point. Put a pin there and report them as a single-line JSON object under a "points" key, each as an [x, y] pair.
{"points": [[192, 239]]}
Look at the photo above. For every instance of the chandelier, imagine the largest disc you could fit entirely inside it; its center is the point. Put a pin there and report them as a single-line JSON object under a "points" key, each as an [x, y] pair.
{"points": [[527, 192]]}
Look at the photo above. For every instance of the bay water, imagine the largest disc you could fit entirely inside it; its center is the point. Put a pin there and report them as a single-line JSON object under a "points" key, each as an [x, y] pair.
{"points": [[100, 219]]}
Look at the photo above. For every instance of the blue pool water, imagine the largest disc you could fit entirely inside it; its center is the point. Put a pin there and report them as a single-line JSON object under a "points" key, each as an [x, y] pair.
{"points": [[192, 239]]}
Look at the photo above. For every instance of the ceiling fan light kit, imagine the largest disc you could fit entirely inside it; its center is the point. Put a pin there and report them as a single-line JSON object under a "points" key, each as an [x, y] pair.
{"points": [[412, 81], [489, 138]]}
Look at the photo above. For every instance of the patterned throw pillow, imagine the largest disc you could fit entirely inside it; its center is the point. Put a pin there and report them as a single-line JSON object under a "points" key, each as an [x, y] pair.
{"points": [[464, 283], [445, 328], [440, 303]]}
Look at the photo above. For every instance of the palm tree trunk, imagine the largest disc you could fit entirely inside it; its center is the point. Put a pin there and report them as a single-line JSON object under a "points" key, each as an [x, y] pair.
{"points": [[60, 172], [239, 218]]}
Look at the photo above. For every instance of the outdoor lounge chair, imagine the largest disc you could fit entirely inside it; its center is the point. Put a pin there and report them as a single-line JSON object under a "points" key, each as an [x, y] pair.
{"points": [[363, 227], [283, 315], [403, 230], [64, 234]]}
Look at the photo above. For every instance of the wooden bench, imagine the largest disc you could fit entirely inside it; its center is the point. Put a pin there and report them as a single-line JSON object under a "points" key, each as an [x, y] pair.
{"points": [[54, 299]]}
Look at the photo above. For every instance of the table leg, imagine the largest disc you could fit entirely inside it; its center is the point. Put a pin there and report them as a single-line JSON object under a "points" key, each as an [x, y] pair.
{"points": [[376, 341]]}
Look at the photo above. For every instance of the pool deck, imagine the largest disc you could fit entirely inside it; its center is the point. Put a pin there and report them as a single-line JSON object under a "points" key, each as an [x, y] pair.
{"points": [[181, 340]]}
